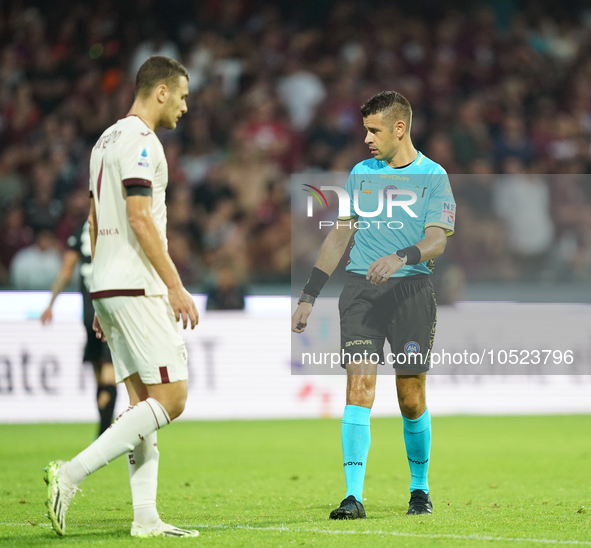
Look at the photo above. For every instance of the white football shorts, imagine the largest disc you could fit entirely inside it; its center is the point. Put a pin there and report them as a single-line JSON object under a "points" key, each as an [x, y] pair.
{"points": [[144, 338]]}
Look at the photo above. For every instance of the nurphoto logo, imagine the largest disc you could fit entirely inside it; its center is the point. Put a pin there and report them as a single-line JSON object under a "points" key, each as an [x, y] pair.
{"points": [[388, 196]]}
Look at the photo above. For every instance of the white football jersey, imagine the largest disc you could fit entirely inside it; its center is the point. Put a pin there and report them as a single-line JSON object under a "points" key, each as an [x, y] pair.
{"points": [[128, 153]]}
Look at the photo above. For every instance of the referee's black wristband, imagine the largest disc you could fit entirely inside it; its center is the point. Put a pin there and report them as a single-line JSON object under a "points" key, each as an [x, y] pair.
{"points": [[316, 282], [413, 253]]}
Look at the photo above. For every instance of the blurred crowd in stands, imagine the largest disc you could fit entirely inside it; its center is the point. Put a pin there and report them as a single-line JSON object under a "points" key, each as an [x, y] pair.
{"points": [[275, 89]]}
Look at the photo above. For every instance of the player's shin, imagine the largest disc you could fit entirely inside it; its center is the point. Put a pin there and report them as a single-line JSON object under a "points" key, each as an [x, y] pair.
{"points": [[122, 436], [142, 464], [355, 438], [417, 439]]}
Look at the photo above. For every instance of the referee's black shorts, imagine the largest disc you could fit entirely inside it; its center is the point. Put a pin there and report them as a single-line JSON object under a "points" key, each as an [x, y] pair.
{"points": [[401, 310], [95, 350]]}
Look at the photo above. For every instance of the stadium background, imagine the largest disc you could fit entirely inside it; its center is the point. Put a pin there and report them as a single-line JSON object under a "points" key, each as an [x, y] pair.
{"points": [[496, 88]]}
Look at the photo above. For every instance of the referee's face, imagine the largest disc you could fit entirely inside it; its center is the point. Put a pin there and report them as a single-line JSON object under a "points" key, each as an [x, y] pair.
{"points": [[381, 138]]}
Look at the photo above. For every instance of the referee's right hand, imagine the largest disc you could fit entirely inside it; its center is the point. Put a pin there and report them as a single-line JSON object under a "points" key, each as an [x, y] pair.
{"points": [[299, 320]]}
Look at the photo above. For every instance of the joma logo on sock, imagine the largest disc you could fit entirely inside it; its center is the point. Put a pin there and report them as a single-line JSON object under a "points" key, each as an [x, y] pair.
{"points": [[419, 461], [352, 463]]}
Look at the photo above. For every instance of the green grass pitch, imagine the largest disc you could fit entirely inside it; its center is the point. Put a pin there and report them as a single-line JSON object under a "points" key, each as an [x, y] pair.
{"points": [[495, 481]]}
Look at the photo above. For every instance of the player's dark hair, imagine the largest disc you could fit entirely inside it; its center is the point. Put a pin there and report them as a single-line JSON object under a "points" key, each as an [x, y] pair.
{"points": [[158, 70], [392, 104]]}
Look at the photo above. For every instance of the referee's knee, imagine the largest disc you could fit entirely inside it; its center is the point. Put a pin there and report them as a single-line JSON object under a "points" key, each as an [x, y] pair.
{"points": [[361, 390], [412, 405]]}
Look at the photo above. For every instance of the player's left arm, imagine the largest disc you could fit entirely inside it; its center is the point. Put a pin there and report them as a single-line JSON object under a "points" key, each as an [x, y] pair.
{"points": [[431, 246]]}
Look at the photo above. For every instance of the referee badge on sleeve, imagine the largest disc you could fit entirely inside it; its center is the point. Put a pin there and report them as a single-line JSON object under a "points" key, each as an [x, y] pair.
{"points": [[448, 213]]}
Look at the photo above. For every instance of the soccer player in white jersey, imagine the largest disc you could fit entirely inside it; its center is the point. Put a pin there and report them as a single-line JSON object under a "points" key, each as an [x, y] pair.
{"points": [[138, 297]]}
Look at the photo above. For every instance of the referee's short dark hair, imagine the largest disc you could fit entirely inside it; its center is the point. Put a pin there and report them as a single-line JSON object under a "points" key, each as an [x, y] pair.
{"points": [[392, 104], [158, 70]]}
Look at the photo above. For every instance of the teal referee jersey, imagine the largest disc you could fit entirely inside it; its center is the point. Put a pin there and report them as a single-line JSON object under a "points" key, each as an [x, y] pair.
{"points": [[393, 207]]}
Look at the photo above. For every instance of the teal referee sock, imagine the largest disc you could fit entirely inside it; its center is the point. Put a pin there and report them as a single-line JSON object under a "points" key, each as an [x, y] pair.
{"points": [[417, 438], [355, 438]]}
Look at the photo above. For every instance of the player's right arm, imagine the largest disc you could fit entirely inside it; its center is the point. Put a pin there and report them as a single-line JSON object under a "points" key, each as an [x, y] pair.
{"points": [[139, 210], [330, 254], [92, 224], [64, 277], [92, 227]]}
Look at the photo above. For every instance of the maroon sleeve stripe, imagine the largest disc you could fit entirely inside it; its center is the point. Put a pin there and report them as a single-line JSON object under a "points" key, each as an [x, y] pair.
{"points": [[137, 182]]}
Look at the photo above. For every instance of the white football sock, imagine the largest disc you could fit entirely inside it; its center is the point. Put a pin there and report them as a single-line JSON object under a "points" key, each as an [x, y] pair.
{"points": [[142, 463], [128, 430]]}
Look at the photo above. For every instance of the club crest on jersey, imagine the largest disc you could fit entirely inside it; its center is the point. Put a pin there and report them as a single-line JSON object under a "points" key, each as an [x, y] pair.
{"points": [[143, 157], [389, 187], [412, 347]]}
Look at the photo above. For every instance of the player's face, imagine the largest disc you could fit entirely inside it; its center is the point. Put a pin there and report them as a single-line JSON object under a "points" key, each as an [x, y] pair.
{"points": [[176, 104], [381, 139]]}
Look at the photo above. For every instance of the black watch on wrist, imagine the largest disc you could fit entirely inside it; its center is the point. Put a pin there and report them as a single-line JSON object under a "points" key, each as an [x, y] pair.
{"points": [[402, 256], [305, 298]]}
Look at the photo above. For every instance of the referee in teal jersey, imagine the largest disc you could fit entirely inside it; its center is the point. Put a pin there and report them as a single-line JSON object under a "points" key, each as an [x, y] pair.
{"points": [[401, 212]]}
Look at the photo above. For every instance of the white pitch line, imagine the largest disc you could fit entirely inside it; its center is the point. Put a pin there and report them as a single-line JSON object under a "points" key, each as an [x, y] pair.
{"points": [[338, 532], [395, 534]]}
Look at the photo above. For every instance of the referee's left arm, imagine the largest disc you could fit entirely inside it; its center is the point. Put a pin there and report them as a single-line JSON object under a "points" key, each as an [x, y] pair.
{"points": [[431, 246]]}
